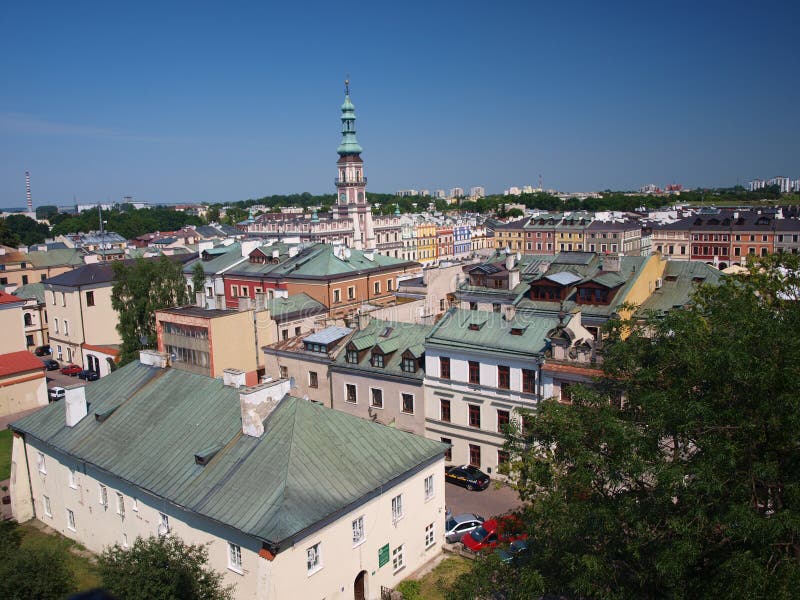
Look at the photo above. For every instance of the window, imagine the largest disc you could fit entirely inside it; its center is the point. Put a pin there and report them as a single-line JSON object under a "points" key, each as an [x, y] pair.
{"points": [[377, 359], [55, 325], [297, 331], [444, 367], [409, 364], [337, 296], [428, 487], [389, 284], [397, 508], [475, 455], [134, 505], [66, 327], [429, 535], [566, 396], [70, 520], [503, 377], [234, 291], [474, 415], [103, 496], [398, 561], [444, 410], [245, 291], [448, 454], [89, 298], [284, 334], [40, 463], [359, 535], [63, 299], [234, 557], [443, 304], [350, 393], [120, 505], [163, 526], [352, 356], [377, 287], [72, 482], [407, 401], [46, 506], [503, 418], [313, 379], [376, 397], [529, 381], [284, 372], [502, 457], [351, 293], [314, 558], [474, 372]]}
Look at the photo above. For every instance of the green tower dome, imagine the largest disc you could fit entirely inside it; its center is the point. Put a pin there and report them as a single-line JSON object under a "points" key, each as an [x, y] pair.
{"points": [[349, 145]]}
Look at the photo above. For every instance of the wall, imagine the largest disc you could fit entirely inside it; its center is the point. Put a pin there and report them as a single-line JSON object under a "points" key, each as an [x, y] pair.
{"points": [[298, 367], [12, 326], [22, 391], [232, 341], [645, 282]]}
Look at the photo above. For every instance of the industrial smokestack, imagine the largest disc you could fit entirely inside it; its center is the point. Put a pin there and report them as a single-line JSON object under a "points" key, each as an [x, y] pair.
{"points": [[28, 191]]}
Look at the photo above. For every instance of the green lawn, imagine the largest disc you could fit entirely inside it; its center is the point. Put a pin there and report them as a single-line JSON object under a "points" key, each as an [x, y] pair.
{"points": [[85, 572], [445, 573], [5, 454]]}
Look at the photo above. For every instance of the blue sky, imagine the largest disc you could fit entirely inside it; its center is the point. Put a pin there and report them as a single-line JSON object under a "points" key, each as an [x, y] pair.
{"points": [[196, 101]]}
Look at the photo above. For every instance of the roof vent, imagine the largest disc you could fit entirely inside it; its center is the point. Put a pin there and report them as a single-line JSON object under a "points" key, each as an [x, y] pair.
{"points": [[102, 415], [517, 330], [204, 456], [475, 326]]}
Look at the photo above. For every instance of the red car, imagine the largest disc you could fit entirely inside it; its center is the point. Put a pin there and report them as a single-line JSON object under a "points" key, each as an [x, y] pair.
{"points": [[493, 532], [71, 370]]}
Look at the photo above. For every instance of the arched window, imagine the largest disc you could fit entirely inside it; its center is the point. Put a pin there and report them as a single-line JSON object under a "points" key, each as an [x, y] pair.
{"points": [[28, 319]]}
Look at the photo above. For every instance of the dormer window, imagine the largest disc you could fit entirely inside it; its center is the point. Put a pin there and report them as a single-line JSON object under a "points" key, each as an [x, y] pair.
{"points": [[377, 359], [352, 356], [409, 364], [517, 330]]}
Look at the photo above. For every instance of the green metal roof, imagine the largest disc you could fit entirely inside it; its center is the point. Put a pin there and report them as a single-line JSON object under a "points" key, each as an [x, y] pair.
{"points": [[31, 290], [297, 304], [392, 339], [489, 331], [679, 280], [55, 258], [312, 463], [224, 257]]}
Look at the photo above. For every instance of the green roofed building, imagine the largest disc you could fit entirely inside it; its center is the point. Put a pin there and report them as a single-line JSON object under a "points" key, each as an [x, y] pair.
{"points": [[294, 500]]}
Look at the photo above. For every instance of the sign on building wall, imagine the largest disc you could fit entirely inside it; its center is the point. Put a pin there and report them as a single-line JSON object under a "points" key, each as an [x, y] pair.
{"points": [[383, 555]]}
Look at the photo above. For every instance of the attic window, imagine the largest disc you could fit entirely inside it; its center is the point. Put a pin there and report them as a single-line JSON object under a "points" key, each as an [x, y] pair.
{"points": [[671, 278], [517, 330], [475, 326], [698, 279], [377, 359], [387, 331]]}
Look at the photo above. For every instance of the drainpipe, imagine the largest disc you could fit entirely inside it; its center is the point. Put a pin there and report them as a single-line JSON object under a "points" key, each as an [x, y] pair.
{"points": [[83, 330], [28, 469]]}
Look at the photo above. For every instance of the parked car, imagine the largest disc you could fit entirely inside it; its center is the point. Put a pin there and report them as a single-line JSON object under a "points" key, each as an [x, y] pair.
{"points": [[457, 526], [507, 555], [467, 476], [88, 375], [55, 393], [71, 370], [43, 350], [50, 364], [493, 532]]}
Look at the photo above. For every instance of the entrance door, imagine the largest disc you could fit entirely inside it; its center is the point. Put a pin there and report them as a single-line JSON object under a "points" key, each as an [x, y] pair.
{"points": [[359, 587]]}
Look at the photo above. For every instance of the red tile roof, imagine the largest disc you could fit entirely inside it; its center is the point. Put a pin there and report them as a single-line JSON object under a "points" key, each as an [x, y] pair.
{"points": [[9, 298], [19, 362]]}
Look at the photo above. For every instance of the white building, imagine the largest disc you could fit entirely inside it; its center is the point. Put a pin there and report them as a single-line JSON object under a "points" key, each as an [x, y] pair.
{"points": [[292, 499]]}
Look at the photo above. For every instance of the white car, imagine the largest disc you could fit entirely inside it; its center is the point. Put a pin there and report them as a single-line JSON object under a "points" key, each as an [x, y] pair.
{"points": [[457, 526], [54, 394]]}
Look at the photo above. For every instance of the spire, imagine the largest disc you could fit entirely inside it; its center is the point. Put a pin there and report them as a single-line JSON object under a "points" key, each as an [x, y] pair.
{"points": [[349, 143], [397, 209]]}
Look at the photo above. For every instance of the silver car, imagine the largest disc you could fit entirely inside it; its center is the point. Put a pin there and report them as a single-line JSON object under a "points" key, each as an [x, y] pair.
{"points": [[457, 526], [54, 394]]}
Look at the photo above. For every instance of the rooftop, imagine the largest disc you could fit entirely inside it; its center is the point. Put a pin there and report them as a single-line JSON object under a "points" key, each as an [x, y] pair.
{"points": [[19, 362], [312, 464], [392, 339]]}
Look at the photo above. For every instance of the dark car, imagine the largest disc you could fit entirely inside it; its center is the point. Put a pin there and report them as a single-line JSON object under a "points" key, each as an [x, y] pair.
{"points": [[50, 364], [507, 555], [467, 476], [43, 350], [88, 375], [71, 370]]}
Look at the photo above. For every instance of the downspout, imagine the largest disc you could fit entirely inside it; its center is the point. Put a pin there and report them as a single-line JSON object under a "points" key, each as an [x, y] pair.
{"points": [[28, 469], [83, 330]]}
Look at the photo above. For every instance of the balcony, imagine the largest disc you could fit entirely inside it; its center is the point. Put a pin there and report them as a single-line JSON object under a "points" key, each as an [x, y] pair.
{"points": [[341, 182]]}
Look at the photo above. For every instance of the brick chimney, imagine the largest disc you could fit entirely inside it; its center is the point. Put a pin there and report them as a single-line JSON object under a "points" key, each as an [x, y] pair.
{"points": [[258, 402]]}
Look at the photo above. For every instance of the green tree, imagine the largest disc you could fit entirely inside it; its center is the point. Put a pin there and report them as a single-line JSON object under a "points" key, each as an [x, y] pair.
{"points": [[678, 474], [198, 277], [27, 230], [161, 568], [8, 237], [141, 288], [46, 211], [32, 572]]}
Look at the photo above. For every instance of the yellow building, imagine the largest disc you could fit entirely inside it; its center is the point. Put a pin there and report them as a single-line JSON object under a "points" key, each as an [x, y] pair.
{"points": [[427, 242]]}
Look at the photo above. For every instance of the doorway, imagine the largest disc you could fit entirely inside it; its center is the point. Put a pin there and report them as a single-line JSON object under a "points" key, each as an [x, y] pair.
{"points": [[360, 586]]}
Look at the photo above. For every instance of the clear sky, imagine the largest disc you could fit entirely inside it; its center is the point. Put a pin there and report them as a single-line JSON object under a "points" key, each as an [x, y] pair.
{"points": [[220, 101]]}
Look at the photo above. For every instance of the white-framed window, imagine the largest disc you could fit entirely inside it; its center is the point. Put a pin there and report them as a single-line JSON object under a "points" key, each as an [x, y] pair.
{"points": [[314, 558], [46, 506], [376, 397], [398, 558], [397, 508], [124, 540], [73, 483], [70, 520], [234, 557], [66, 327], [351, 293], [59, 352], [337, 296], [430, 537], [134, 505], [350, 393], [163, 525], [359, 535], [55, 325], [103, 496], [313, 379], [120, 505], [41, 464], [428, 487], [377, 287]]}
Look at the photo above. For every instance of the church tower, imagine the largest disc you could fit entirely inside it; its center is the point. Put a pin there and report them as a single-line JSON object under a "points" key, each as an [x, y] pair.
{"points": [[351, 185]]}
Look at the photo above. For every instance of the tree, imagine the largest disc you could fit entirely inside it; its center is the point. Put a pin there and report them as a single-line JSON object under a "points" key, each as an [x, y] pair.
{"points": [[140, 288], [32, 572], [8, 237], [677, 474], [27, 230], [198, 277], [162, 567], [46, 211]]}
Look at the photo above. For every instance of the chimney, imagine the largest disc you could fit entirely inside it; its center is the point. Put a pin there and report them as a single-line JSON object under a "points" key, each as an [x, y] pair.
{"points": [[510, 261], [258, 402], [293, 251], [611, 263], [543, 267], [369, 254], [154, 358], [233, 378], [91, 259], [75, 404], [204, 245], [199, 299], [276, 254], [248, 246]]}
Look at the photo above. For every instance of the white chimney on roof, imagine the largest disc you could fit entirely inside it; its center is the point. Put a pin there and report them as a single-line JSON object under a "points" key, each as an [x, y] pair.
{"points": [[293, 251], [258, 402], [248, 246], [233, 378], [75, 404], [154, 358]]}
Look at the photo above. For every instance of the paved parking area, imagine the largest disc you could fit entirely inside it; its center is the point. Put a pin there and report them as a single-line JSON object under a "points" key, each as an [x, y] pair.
{"points": [[57, 378], [490, 502]]}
